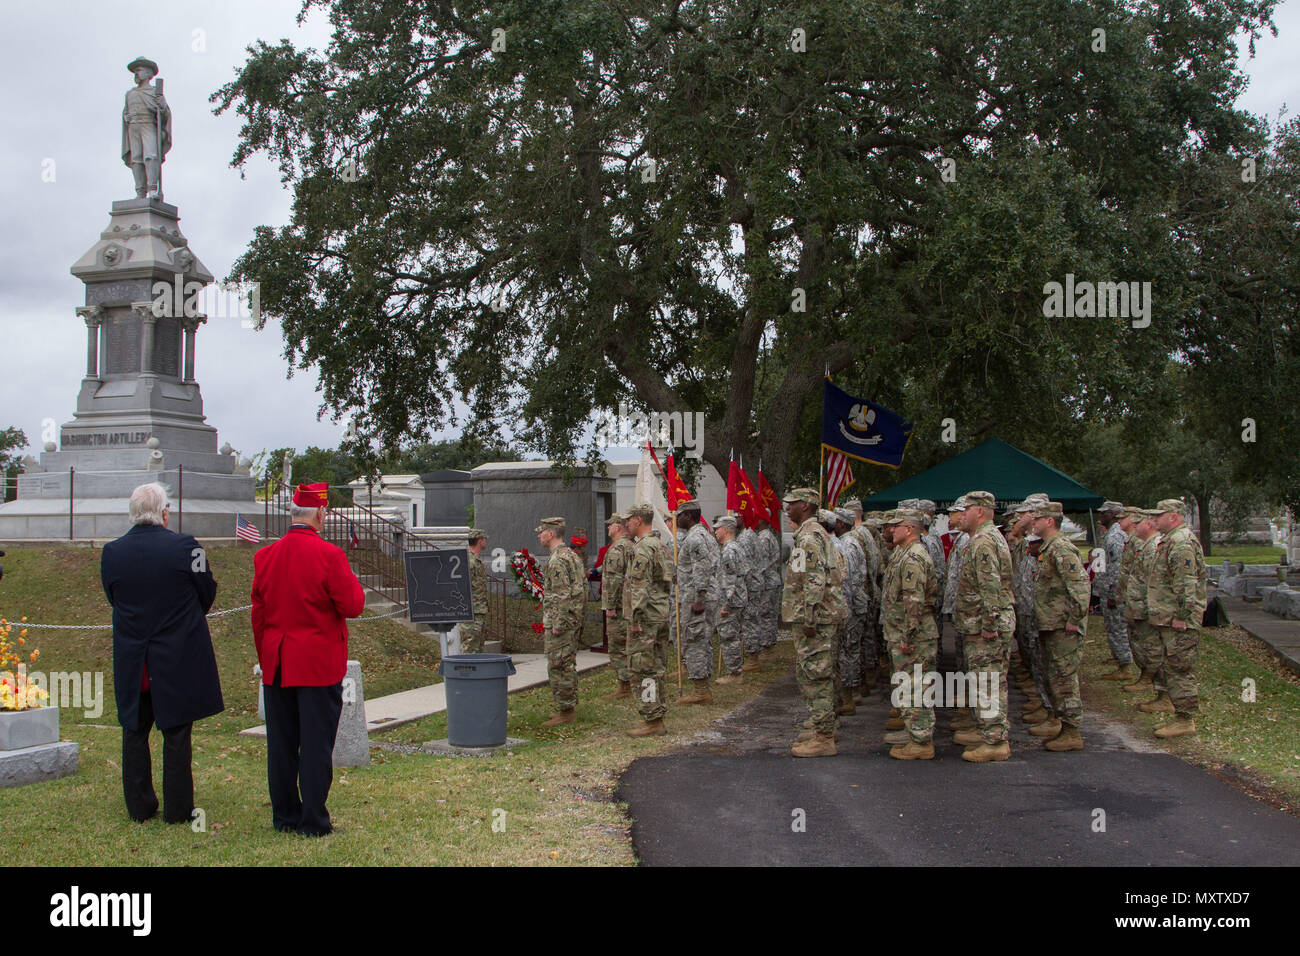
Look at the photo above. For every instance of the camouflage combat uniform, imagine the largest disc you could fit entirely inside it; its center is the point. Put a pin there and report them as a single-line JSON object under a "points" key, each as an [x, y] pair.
{"points": [[985, 603], [1176, 592], [471, 632], [1144, 637], [809, 599], [911, 590], [856, 605], [751, 624], [733, 595], [646, 605], [769, 600], [1025, 570], [1116, 625], [697, 583], [613, 569], [955, 558], [1060, 598], [934, 547], [564, 596], [870, 620]]}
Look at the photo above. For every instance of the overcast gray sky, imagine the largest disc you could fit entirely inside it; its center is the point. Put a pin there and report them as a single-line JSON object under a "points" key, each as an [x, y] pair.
{"points": [[66, 62]]}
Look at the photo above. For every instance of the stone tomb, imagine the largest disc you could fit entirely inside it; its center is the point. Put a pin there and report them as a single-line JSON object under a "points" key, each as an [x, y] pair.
{"points": [[30, 749]]}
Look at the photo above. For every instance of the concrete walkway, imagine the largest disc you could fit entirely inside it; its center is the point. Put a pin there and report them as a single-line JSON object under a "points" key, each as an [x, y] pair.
{"points": [[385, 713], [1278, 633]]}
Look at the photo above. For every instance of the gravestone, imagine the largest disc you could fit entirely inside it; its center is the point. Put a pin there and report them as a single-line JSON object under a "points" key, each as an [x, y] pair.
{"points": [[30, 749]]}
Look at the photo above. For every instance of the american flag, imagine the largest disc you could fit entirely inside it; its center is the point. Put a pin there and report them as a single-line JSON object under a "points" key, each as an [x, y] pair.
{"points": [[353, 540], [246, 530], [838, 476]]}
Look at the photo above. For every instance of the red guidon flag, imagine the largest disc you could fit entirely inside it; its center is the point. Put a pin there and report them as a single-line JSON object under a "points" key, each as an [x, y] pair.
{"points": [[771, 504], [741, 496]]}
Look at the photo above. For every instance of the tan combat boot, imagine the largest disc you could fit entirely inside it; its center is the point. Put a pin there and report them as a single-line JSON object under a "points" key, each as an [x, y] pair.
{"points": [[846, 706], [1033, 703], [895, 712], [1047, 729], [913, 751], [1067, 739], [1161, 705], [810, 734], [563, 717], [968, 738], [700, 695], [624, 689], [963, 721], [894, 723], [1124, 672], [731, 679], [1178, 727], [819, 745], [897, 737], [651, 728], [752, 662], [1032, 717], [987, 753]]}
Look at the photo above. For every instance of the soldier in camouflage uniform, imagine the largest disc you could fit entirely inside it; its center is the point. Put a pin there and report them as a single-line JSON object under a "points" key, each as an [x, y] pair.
{"points": [[564, 597], [647, 610], [1144, 638], [1112, 609], [985, 615], [471, 632], [934, 546], [856, 606], [1128, 522], [911, 590], [1061, 613], [697, 590], [751, 626], [871, 555], [956, 514], [613, 569], [808, 605], [732, 598], [1024, 565], [1175, 608], [768, 548]]}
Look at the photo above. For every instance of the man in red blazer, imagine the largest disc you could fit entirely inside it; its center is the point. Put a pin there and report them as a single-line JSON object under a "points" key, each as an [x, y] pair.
{"points": [[303, 589]]}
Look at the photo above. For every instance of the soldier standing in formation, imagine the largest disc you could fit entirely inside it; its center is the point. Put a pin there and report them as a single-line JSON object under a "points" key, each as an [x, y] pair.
{"points": [[1117, 635], [985, 615], [732, 598], [768, 548], [612, 572], [910, 593], [1024, 563], [750, 624], [856, 606], [1175, 607], [808, 606], [564, 600], [697, 594], [871, 555], [1143, 637], [471, 632], [1061, 612], [647, 610]]}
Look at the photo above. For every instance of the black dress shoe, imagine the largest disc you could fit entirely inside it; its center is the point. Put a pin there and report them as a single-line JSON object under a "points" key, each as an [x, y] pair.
{"points": [[148, 816]]}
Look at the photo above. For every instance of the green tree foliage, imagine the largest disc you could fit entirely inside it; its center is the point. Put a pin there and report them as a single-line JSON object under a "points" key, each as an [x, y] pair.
{"points": [[12, 442], [476, 213]]}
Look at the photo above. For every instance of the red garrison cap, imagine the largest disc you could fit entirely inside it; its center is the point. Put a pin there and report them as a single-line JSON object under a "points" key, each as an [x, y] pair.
{"points": [[312, 496]]}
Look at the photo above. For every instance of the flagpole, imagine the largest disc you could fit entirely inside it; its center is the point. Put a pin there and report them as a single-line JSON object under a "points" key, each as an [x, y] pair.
{"points": [[821, 464]]}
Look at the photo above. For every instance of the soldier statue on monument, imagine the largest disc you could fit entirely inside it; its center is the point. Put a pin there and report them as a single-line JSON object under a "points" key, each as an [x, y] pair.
{"points": [[146, 129]]}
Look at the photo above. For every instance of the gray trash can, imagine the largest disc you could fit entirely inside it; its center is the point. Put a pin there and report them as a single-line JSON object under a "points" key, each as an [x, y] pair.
{"points": [[476, 698]]}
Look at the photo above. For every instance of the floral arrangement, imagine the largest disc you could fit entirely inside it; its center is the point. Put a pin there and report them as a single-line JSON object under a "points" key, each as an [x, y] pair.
{"points": [[529, 578], [578, 541], [16, 692]]}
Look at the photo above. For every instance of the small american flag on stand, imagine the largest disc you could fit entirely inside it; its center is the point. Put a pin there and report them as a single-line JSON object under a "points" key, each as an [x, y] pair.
{"points": [[353, 540], [245, 530]]}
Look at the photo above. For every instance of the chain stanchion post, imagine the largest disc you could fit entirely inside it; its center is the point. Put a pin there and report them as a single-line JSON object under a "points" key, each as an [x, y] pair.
{"points": [[72, 481]]}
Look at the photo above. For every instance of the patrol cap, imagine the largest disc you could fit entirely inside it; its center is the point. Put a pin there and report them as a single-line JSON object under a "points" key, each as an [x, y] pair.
{"points": [[925, 504], [910, 503], [889, 517], [690, 506], [1111, 507], [980, 499], [476, 533], [844, 514], [826, 516], [550, 524], [914, 515], [854, 505], [641, 510], [958, 505], [725, 521], [803, 494], [1137, 514], [1150, 512], [1030, 503], [1049, 509], [616, 518], [1170, 506]]}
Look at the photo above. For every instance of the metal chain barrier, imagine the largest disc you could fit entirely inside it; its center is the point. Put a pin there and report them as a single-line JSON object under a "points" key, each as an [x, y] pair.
{"points": [[233, 610]]}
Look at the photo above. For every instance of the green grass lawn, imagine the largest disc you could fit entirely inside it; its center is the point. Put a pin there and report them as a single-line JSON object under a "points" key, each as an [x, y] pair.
{"points": [[1254, 743], [551, 799], [1247, 553]]}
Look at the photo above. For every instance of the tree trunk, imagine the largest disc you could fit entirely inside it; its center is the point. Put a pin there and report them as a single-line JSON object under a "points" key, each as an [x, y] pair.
{"points": [[1203, 512]]}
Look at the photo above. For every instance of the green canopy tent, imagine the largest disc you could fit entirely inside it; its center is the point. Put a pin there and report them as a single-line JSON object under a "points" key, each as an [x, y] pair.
{"points": [[992, 466]]}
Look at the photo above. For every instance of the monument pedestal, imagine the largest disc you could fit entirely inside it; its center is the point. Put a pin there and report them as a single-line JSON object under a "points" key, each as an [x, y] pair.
{"points": [[139, 414]]}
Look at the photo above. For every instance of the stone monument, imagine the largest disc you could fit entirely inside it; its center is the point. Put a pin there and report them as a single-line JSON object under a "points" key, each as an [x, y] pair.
{"points": [[139, 414]]}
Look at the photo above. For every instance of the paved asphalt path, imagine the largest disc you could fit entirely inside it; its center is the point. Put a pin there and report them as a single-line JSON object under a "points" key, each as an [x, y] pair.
{"points": [[732, 798]]}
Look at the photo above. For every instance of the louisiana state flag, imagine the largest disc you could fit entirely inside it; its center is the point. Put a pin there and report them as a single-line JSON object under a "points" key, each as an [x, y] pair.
{"points": [[862, 429]]}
